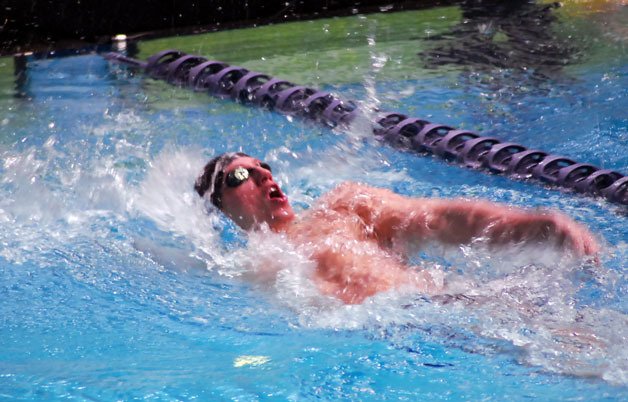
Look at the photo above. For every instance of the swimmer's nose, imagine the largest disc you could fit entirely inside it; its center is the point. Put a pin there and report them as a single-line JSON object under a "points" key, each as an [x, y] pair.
{"points": [[261, 175]]}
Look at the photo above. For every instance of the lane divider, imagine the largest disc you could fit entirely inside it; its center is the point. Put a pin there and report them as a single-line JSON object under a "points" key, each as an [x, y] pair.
{"points": [[458, 146]]}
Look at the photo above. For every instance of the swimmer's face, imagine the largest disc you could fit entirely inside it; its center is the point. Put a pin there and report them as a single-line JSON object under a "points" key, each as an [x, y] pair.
{"points": [[250, 196]]}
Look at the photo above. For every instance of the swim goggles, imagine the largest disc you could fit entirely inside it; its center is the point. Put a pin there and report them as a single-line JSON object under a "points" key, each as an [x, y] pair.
{"points": [[241, 174]]}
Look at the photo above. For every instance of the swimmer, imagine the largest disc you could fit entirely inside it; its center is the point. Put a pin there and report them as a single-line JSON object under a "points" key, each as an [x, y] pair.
{"points": [[360, 236]]}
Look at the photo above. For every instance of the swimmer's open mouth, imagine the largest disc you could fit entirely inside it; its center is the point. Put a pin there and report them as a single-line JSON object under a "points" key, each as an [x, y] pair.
{"points": [[275, 193]]}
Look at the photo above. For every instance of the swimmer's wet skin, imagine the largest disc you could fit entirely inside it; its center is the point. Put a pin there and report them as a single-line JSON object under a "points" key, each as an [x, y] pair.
{"points": [[359, 236]]}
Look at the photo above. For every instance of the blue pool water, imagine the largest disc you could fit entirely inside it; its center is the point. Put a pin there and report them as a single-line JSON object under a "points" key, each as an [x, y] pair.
{"points": [[116, 284]]}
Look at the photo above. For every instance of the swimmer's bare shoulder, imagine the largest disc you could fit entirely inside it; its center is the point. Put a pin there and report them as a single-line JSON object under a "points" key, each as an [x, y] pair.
{"points": [[366, 200], [385, 214], [348, 208]]}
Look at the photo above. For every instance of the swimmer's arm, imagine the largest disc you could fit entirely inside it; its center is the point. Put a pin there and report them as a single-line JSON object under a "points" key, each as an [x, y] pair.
{"points": [[460, 222]]}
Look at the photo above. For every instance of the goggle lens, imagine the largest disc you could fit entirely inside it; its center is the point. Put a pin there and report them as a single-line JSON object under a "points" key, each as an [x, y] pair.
{"points": [[237, 176], [240, 174]]}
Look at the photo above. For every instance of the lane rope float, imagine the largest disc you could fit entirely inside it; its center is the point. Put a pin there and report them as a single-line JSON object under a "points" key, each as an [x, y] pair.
{"points": [[463, 147]]}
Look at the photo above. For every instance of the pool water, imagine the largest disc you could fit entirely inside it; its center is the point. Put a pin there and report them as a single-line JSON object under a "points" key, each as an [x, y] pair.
{"points": [[117, 283]]}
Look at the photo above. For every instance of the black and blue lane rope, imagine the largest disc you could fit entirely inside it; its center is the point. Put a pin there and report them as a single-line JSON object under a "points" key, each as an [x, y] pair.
{"points": [[459, 146]]}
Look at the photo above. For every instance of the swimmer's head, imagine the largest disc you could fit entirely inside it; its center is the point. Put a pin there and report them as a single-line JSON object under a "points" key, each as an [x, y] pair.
{"points": [[212, 177], [243, 188]]}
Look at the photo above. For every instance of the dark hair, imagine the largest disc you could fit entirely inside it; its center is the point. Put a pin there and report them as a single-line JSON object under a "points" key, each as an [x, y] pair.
{"points": [[213, 175]]}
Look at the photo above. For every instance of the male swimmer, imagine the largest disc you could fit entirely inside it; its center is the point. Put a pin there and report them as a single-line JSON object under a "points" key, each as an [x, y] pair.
{"points": [[360, 236]]}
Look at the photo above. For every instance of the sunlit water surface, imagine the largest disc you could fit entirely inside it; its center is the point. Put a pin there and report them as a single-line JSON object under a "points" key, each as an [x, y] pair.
{"points": [[118, 283]]}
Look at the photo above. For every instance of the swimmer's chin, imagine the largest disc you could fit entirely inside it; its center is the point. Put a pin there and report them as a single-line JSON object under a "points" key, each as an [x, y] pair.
{"points": [[281, 220], [277, 224]]}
